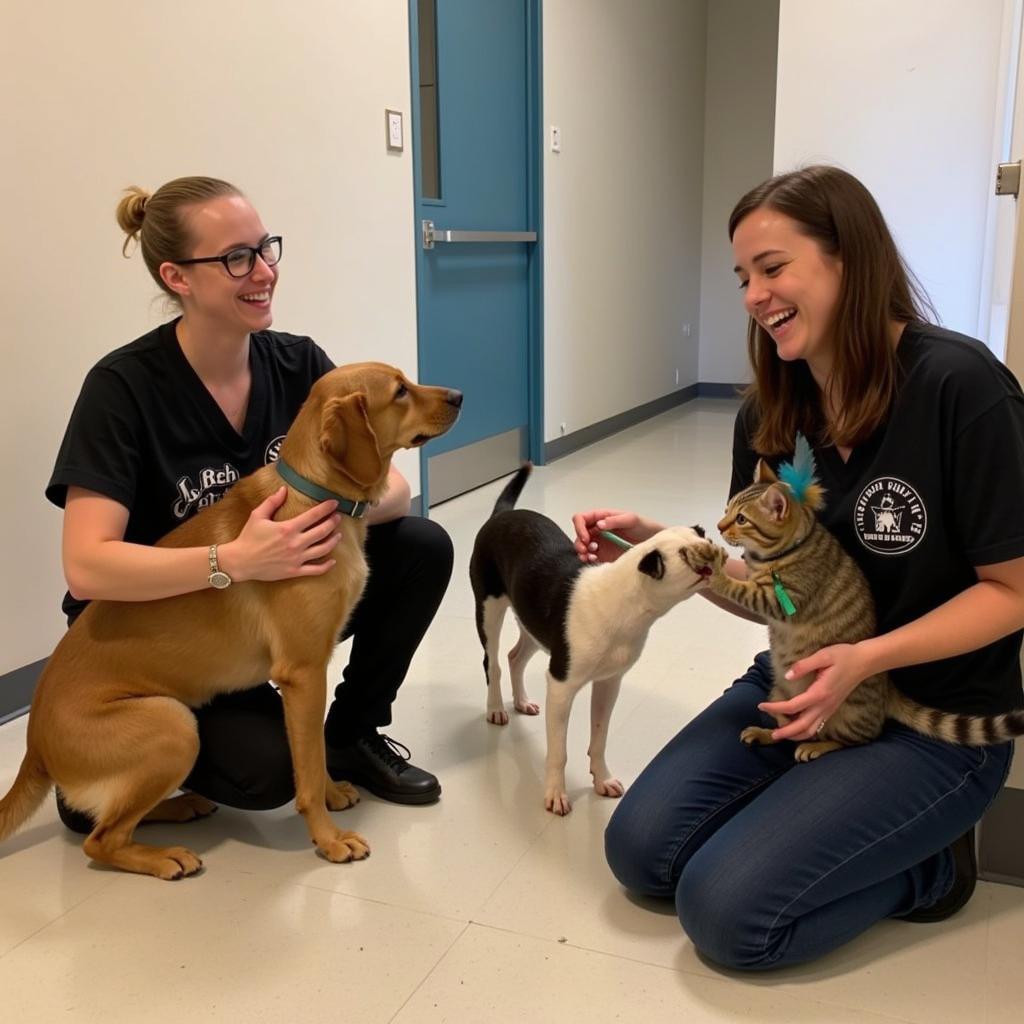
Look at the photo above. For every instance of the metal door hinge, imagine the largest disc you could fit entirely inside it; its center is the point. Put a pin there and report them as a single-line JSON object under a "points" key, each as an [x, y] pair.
{"points": [[1008, 179]]}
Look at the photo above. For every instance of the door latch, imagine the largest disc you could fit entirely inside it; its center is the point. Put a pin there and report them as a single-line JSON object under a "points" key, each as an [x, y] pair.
{"points": [[1008, 179]]}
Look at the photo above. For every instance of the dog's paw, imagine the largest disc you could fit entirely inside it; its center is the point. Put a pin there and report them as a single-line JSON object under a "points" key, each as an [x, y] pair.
{"points": [[341, 795], [527, 707], [181, 808], [557, 801], [497, 717], [609, 787], [174, 862], [341, 847]]}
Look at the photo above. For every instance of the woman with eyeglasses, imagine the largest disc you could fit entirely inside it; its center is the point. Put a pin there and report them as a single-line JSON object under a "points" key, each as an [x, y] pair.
{"points": [[165, 425]]}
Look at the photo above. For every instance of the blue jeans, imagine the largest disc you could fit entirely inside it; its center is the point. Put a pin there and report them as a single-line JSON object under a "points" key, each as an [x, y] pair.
{"points": [[773, 863]]}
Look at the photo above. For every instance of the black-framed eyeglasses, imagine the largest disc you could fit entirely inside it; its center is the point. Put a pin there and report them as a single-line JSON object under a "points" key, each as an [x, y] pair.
{"points": [[239, 262]]}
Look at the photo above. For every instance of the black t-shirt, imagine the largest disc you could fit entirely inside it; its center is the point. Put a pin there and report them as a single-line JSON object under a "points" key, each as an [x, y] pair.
{"points": [[936, 490], [146, 432]]}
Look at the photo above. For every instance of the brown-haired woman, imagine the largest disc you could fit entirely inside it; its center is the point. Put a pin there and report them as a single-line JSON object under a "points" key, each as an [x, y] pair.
{"points": [[773, 863], [164, 425]]}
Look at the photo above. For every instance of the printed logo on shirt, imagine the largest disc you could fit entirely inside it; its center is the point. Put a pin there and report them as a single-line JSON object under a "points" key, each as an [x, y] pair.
{"points": [[213, 482], [889, 516], [273, 450]]}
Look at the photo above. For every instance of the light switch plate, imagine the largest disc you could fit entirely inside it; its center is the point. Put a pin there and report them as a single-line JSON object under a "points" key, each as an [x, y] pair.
{"points": [[393, 125]]}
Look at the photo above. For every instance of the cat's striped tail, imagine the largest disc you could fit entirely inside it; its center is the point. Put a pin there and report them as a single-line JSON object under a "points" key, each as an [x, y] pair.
{"points": [[970, 730]]}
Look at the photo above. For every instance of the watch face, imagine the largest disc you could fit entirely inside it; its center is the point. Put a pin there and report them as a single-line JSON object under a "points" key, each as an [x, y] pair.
{"points": [[220, 580]]}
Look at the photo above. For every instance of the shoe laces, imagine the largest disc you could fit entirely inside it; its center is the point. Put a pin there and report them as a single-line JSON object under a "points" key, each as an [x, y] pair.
{"points": [[394, 754]]}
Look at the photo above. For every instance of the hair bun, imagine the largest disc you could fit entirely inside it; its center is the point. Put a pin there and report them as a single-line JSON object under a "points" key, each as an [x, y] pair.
{"points": [[131, 210]]}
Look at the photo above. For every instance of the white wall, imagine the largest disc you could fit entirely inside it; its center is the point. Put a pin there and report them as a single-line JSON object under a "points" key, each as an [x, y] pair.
{"points": [[285, 100], [903, 95], [739, 131], [622, 204]]}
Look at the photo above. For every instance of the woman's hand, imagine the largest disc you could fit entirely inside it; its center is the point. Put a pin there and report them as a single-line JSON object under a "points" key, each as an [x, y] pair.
{"points": [[592, 547], [840, 669], [266, 550]]}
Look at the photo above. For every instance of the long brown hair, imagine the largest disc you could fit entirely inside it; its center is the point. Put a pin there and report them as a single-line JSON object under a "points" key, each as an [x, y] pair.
{"points": [[157, 220], [840, 214]]}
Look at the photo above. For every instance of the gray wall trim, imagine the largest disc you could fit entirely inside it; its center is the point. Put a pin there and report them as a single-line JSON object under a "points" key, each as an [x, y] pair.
{"points": [[16, 690], [578, 439], [719, 390], [1001, 839]]}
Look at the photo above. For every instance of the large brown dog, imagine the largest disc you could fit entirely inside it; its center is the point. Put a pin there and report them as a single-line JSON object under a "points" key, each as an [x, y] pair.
{"points": [[110, 723]]}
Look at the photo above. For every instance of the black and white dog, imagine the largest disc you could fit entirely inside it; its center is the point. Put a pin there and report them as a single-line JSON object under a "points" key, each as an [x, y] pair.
{"points": [[591, 619]]}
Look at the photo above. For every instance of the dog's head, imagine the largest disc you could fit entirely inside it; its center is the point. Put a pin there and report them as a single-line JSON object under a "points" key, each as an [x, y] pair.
{"points": [[362, 413], [669, 578]]}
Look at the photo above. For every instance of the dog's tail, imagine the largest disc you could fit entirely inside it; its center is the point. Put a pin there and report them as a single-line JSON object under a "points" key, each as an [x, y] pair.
{"points": [[25, 796], [510, 495]]}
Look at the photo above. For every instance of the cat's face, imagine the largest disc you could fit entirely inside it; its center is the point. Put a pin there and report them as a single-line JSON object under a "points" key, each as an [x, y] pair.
{"points": [[763, 518]]}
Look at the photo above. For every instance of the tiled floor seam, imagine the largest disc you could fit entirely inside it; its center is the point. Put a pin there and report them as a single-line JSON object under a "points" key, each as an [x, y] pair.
{"points": [[427, 975]]}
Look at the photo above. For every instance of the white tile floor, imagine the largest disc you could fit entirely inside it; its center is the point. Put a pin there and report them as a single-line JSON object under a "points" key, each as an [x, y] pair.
{"points": [[483, 907]]}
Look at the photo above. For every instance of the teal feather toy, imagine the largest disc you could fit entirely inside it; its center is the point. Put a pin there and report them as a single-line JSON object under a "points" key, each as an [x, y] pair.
{"points": [[801, 475]]}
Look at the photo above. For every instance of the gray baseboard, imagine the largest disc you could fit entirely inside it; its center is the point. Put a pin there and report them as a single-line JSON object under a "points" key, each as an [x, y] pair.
{"points": [[1001, 839], [578, 439], [16, 690], [719, 390]]}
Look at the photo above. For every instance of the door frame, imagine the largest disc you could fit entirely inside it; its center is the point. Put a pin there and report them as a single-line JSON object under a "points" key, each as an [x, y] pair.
{"points": [[535, 219]]}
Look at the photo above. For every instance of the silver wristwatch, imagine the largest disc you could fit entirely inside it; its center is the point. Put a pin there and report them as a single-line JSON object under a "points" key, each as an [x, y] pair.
{"points": [[218, 578]]}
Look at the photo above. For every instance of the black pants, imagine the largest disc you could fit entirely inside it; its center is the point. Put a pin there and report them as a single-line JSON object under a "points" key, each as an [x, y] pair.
{"points": [[244, 760]]}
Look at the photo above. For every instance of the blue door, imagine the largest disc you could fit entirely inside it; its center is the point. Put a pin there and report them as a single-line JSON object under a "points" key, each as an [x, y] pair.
{"points": [[475, 66]]}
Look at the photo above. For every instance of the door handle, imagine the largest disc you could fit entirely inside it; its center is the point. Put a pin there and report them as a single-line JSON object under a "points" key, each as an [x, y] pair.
{"points": [[432, 235]]}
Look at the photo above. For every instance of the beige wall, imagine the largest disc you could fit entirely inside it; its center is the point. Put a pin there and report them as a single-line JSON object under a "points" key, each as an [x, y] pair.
{"points": [[286, 100], [622, 204], [739, 136], [905, 96]]}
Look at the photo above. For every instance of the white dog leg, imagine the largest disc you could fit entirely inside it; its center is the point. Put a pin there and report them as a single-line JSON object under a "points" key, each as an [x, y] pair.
{"points": [[493, 615], [556, 717], [518, 658], [602, 703]]}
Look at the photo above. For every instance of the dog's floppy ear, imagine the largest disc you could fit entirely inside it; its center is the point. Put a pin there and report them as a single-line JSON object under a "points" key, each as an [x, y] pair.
{"points": [[652, 564], [346, 435]]}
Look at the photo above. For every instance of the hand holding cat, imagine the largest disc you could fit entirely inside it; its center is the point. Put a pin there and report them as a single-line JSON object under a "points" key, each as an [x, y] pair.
{"points": [[840, 669]]}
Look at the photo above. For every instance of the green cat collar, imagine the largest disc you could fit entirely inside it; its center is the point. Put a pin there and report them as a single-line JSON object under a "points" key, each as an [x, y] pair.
{"points": [[780, 592], [355, 509]]}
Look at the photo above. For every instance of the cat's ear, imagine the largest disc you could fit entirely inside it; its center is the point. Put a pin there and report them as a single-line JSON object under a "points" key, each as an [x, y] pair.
{"points": [[652, 564], [763, 473], [775, 501]]}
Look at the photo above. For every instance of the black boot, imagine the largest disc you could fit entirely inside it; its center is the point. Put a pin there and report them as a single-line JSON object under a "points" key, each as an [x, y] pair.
{"points": [[965, 864], [76, 821], [381, 765]]}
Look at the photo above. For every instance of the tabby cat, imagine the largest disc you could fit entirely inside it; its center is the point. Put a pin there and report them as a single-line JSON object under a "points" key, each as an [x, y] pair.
{"points": [[812, 595]]}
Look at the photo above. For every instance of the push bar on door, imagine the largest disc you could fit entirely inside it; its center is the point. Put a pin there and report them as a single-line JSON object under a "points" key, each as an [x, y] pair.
{"points": [[432, 235]]}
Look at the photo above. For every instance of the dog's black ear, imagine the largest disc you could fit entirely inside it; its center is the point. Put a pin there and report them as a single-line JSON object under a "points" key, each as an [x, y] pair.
{"points": [[652, 564], [698, 529]]}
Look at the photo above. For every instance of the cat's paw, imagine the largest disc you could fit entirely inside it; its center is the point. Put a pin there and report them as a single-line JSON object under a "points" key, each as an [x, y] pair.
{"points": [[705, 558]]}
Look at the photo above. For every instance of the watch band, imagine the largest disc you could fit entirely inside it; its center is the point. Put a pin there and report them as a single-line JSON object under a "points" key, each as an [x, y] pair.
{"points": [[218, 578]]}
